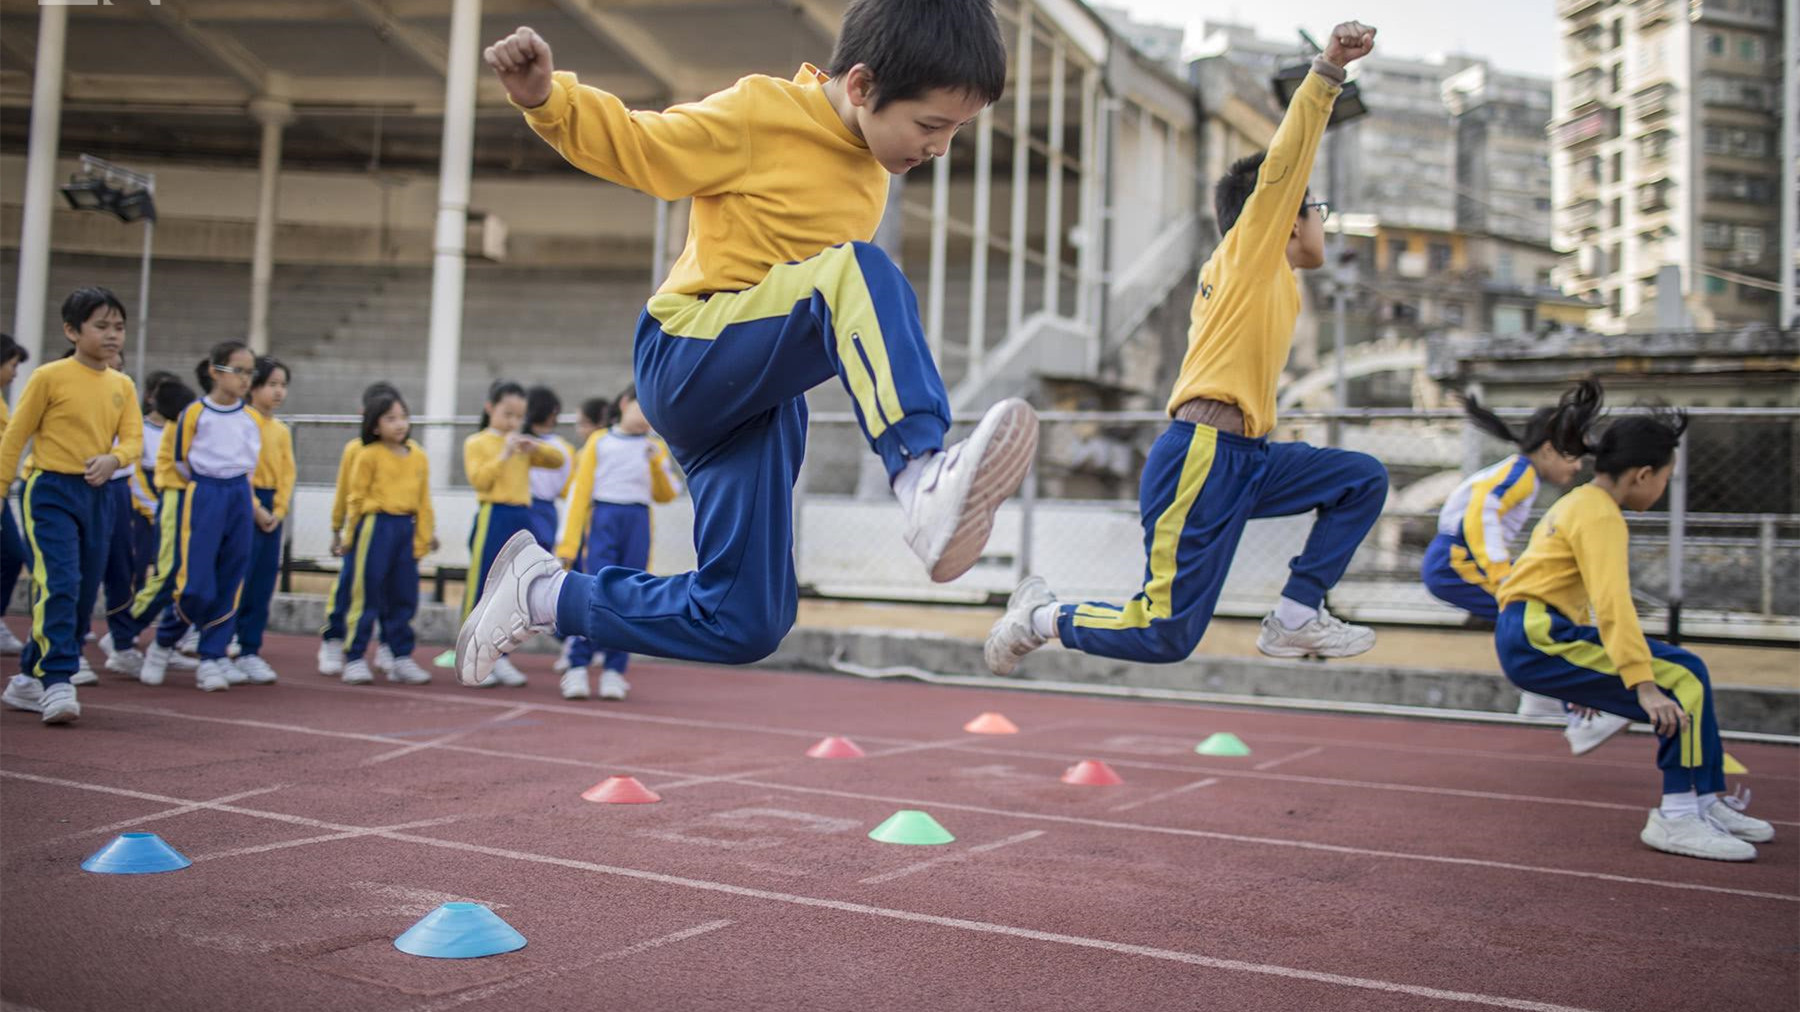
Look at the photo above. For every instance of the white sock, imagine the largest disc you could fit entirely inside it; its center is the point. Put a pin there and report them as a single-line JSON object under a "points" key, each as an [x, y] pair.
{"points": [[907, 481], [1043, 620], [1292, 614], [542, 598], [1680, 806], [1706, 801]]}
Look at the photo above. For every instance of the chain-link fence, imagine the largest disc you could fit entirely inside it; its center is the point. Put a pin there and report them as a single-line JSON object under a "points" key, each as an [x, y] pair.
{"points": [[1719, 557]]}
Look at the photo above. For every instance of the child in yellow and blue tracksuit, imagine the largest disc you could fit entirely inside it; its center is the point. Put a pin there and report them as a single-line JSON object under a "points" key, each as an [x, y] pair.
{"points": [[331, 638], [1214, 468], [498, 462], [84, 423], [120, 583], [777, 291], [12, 550], [273, 485], [388, 527], [208, 523], [548, 484], [170, 398], [1578, 564], [619, 472], [1471, 554]]}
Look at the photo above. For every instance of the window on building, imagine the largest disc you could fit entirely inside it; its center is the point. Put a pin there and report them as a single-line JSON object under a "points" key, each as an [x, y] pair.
{"points": [[1618, 166], [1715, 43], [1748, 243], [1618, 33], [1511, 320], [1616, 212], [1438, 257], [1453, 314], [1716, 286], [1715, 234], [1503, 267], [1613, 80], [1396, 250], [1750, 48]]}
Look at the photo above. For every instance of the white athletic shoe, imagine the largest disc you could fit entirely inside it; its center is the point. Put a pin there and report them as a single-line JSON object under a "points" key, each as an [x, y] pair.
{"points": [[24, 692], [234, 650], [357, 673], [182, 662], [59, 704], [256, 669], [10, 646], [1694, 836], [1586, 734], [384, 658], [575, 683], [156, 664], [500, 622], [129, 663], [233, 674], [562, 659], [1324, 636], [1012, 636], [212, 676], [84, 674], [952, 512], [613, 685], [509, 676], [190, 643], [1728, 814], [106, 644], [331, 658], [406, 671], [1533, 705]]}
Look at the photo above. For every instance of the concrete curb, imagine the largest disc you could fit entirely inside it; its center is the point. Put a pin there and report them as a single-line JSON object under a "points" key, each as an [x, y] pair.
{"points": [[1756, 709]]}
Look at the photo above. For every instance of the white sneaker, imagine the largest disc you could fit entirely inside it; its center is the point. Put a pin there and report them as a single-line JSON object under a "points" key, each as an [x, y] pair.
{"points": [[1728, 815], [256, 669], [182, 662], [357, 673], [331, 658], [509, 676], [211, 676], [233, 674], [10, 646], [500, 622], [233, 650], [106, 644], [1324, 636], [84, 675], [1533, 705], [59, 704], [575, 683], [952, 511], [613, 685], [384, 659], [1586, 734], [1013, 636], [406, 671], [126, 662], [156, 664], [1694, 836], [24, 692], [189, 643], [562, 659]]}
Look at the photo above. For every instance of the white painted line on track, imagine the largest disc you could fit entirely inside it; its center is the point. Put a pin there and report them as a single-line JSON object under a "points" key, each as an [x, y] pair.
{"points": [[167, 813], [1165, 795], [950, 858], [328, 838], [1284, 760], [486, 725]]}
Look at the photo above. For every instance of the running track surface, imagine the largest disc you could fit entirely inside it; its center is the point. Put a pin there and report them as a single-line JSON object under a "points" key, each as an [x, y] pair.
{"points": [[1348, 863]]}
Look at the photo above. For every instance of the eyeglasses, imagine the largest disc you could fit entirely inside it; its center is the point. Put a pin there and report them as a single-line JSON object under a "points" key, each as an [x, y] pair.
{"points": [[231, 370], [1324, 207]]}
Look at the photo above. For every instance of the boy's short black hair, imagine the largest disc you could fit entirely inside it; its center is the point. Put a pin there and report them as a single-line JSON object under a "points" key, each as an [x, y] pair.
{"points": [[156, 379], [541, 407], [172, 398], [914, 46], [10, 351], [597, 411], [265, 371], [1234, 188], [83, 303]]}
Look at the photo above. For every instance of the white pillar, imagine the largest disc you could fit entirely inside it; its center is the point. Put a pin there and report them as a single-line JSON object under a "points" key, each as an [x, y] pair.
{"points": [[1021, 177], [940, 241], [40, 187], [1087, 259], [978, 258], [445, 354], [274, 114], [1053, 196]]}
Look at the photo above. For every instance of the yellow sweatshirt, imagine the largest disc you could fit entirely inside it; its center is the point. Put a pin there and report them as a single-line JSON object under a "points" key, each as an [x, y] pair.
{"points": [[1242, 322], [775, 174], [340, 499], [504, 481], [75, 414], [275, 467], [382, 481], [1578, 560], [580, 492]]}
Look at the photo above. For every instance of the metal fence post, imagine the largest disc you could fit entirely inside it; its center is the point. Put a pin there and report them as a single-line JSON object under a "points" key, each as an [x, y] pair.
{"points": [[1766, 542], [1677, 536]]}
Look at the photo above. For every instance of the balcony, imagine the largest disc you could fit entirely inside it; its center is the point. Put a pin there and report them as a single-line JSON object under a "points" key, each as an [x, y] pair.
{"points": [[1576, 8], [1653, 103], [1654, 197], [1580, 216], [1587, 88], [1600, 125], [1654, 12]]}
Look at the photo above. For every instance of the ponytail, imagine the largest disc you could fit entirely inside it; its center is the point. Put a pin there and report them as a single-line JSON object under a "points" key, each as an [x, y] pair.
{"points": [[1564, 427], [220, 355]]}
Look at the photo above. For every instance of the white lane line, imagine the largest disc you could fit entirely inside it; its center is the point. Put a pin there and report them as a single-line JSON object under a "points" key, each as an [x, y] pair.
{"points": [[913, 802], [1183, 789], [486, 725], [328, 838], [549, 973], [1302, 754], [950, 858], [167, 813]]}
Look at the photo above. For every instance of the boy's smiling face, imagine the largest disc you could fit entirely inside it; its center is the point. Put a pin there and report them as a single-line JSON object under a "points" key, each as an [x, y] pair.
{"points": [[907, 133]]}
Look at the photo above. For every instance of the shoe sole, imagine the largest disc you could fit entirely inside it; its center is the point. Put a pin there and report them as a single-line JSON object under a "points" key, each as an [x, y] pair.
{"points": [[1575, 749], [1001, 461], [465, 637], [63, 716], [1680, 852], [28, 707], [84, 680], [1296, 653]]}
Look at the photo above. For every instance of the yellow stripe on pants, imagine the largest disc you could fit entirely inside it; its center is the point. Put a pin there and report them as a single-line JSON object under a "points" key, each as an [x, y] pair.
{"points": [[477, 572], [167, 518], [40, 575], [359, 590]]}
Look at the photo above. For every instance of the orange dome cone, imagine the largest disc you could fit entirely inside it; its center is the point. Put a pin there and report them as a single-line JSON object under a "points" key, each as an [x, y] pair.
{"points": [[991, 723], [1091, 773], [835, 748], [620, 791]]}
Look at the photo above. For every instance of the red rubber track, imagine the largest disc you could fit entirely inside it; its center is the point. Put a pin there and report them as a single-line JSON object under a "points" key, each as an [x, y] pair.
{"points": [[1347, 863]]}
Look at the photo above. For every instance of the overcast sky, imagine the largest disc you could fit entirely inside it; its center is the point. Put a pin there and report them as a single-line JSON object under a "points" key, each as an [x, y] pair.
{"points": [[1518, 35]]}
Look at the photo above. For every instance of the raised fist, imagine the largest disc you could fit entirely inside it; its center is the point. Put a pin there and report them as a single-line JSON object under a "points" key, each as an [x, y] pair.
{"points": [[522, 62], [1350, 41]]}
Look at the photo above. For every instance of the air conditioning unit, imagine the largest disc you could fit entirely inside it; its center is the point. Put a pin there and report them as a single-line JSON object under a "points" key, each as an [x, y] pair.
{"points": [[486, 236]]}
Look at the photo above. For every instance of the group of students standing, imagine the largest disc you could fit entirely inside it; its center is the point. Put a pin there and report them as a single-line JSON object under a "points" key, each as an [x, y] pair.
{"points": [[520, 469]]}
